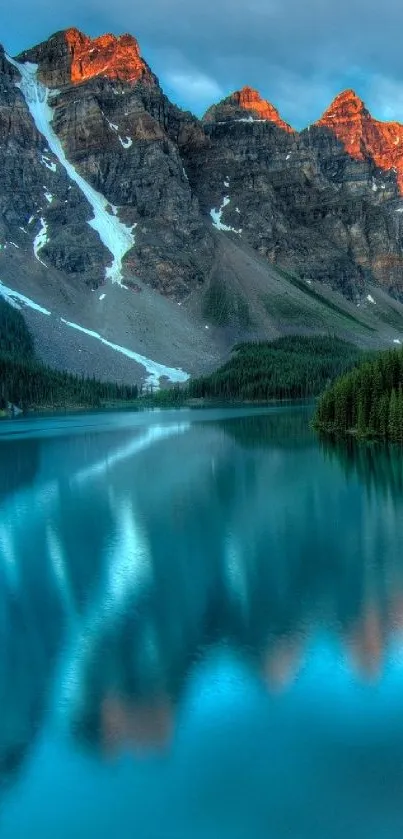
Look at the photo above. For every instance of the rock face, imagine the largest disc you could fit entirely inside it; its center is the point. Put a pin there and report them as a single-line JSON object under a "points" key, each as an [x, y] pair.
{"points": [[120, 132], [268, 182], [325, 203], [35, 188], [121, 144], [360, 158]]}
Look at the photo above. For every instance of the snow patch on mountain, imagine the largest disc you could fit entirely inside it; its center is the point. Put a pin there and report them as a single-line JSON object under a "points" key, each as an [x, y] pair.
{"points": [[216, 216], [14, 298], [40, 240], [48, 163], [126, 143], [117, 237], [155, 370]]}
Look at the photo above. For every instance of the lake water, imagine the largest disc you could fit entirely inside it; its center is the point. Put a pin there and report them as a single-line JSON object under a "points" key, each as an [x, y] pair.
{"points": [[201, 629]]}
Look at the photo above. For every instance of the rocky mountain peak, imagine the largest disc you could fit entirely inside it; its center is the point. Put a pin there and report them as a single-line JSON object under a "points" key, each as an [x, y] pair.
{"points": [[363, 136], [346, 104], [345, 117], [250, 100], [71, 57], [247, 105], [115, 57]]}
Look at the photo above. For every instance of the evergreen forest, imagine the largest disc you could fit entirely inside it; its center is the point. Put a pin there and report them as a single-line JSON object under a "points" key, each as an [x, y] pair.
{"points": [[292, 367], [367, 401]]}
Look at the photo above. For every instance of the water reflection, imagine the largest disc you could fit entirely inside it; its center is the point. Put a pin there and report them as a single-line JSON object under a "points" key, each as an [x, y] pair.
{"points": [[136, 555], [378, 465], [19, 463]]}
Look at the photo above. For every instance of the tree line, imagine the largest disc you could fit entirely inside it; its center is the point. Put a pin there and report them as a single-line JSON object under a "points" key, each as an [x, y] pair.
{"points": [[367, 401]]}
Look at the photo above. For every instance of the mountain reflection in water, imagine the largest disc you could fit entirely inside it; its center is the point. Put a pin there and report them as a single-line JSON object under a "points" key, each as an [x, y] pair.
{"points": [[131, 557]]}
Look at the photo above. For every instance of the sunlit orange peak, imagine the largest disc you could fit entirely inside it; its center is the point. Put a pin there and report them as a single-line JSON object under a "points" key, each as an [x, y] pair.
{"points": [[115, 57], [250, 100], [363, 136]]}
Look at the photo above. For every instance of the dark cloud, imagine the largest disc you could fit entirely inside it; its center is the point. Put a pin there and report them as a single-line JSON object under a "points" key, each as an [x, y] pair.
{"points": [[299, 53]]}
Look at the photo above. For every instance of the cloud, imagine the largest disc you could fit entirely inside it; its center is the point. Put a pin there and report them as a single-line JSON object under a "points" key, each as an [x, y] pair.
{"points": [[296, 52], [385, 97], [192, 89]]}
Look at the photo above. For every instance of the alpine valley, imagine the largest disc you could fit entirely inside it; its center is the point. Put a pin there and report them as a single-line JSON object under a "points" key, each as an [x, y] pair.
{"points": [[141, 243]]}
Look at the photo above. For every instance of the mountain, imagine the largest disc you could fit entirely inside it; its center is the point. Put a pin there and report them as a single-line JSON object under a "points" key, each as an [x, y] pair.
{"points": [[141, 243]]}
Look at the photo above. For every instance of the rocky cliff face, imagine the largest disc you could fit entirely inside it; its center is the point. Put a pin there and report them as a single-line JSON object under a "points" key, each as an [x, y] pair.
{"points": [[264, 181], [360, 157], [36, 195], [324, 203], [119, 131]]}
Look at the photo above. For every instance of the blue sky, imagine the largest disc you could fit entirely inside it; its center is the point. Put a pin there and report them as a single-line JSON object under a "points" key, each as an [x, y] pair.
{"points": [[298, 53]]}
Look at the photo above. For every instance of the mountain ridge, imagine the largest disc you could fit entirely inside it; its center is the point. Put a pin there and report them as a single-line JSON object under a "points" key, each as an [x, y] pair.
{"points": [[118, 53], [199, 197]]}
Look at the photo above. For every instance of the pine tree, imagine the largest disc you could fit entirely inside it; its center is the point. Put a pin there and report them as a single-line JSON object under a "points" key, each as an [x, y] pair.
{"points": [[383, 416], [393, 416], [400, 414], [361, 414]]}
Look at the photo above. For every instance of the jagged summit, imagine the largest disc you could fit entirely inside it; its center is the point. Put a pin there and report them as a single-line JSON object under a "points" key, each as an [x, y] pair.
{"points": [[345, 116], [116, 57], [246, 104], [71, 57], [347, 100], [363, 136]]}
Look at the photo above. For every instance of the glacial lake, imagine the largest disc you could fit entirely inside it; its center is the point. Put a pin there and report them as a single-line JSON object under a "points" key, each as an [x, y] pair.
{"points": [[201, 629]]}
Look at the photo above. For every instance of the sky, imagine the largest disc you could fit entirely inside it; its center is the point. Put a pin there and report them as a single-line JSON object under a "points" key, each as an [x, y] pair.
{"points": [[298, 53]]}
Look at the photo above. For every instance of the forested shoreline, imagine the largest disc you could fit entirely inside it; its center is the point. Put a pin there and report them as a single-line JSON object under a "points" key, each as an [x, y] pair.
{"points": [[367, 401], [359, 393]]}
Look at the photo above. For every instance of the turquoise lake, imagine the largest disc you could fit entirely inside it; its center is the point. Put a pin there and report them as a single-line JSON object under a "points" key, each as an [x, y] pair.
{"points": [[201, 628]]}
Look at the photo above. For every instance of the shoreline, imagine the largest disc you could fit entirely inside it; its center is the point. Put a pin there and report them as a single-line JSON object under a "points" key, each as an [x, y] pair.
{"points": [[150, 404]]}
